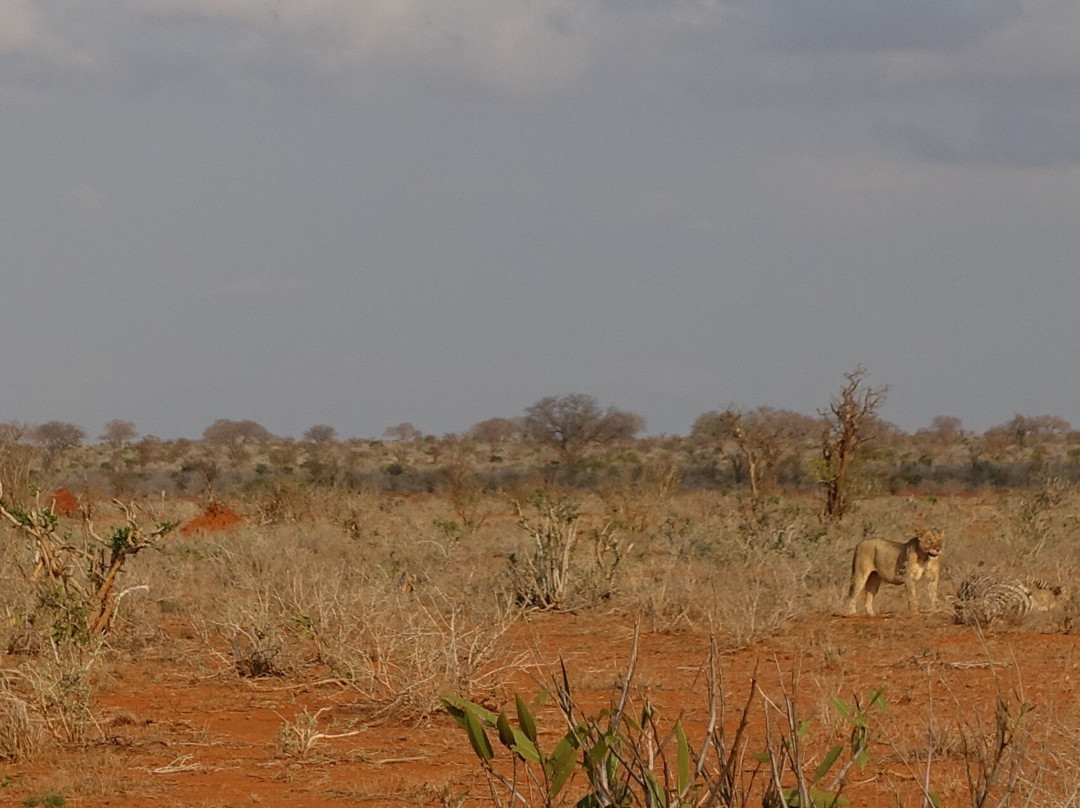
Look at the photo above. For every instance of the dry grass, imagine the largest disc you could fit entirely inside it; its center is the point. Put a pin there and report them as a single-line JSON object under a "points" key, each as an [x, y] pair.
{"points": [[22, 733], [375, 591], [345, 571]]}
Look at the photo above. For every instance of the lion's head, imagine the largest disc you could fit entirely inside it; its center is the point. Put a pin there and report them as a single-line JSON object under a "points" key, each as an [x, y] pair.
{"points": [[930, 541]]}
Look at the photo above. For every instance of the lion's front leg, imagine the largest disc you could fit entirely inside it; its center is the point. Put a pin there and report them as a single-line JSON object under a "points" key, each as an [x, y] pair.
{"points": [[912, 596], [932, 581]]}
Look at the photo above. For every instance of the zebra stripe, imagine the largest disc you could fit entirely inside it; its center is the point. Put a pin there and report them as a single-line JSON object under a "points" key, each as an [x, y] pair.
{"points": [[981, 599]]}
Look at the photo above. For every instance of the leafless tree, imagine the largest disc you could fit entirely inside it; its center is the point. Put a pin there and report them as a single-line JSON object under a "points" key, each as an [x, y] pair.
{"points": [[320, 433], [575, 422], [118, 433], [845, 432], [403, 432], [1021, 429], [756, 442], [765, 436], [946, 427]]}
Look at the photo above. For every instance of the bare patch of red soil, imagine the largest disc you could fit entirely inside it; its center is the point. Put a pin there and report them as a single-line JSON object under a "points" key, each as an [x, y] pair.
{"points": [[64, 502], [181, 729], [215, 517]]}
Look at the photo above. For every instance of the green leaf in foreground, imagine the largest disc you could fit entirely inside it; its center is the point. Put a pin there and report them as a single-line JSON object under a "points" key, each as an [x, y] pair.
{"points": [[525, 718], [561, 763], [477, 737], [683, 758], [827, 763], [506, 732]]}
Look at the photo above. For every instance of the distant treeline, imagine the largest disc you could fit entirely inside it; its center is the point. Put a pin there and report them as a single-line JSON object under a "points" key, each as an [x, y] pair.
{"points": [[564, 440]]}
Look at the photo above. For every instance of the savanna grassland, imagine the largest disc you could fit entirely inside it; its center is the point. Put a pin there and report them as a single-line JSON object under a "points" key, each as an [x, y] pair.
{"points": [[262, 621]]}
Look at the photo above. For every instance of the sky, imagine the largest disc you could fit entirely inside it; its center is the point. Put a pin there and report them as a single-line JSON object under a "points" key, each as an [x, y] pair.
{"points": [[366, 212]]}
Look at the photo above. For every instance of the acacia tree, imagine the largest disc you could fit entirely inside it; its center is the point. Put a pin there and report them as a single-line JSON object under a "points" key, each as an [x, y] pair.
{"points": [[118, 433], [575, 422], [320, 433], [494, 431], [235, 436], [846, 422], [57, 437], [227, 432]]}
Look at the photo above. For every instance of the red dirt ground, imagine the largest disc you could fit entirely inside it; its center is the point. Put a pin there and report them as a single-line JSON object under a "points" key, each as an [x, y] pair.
{"points": [[182, 730]]}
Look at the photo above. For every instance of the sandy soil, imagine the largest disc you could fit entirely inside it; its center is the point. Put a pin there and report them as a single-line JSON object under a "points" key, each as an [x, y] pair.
{"points": [[181, 729]]}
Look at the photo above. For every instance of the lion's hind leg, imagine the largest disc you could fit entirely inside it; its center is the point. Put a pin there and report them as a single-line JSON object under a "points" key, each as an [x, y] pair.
{"points": [[873, 584], [861, 572], [858, 581]]}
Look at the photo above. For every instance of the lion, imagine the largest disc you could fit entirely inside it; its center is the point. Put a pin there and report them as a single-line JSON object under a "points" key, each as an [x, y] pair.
{"points": [[877, 560]]}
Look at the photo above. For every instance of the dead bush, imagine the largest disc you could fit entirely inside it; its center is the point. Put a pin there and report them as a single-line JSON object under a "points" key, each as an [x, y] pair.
{"points": [[402, 648], [255, 650], [22, 732], [541, 577]]}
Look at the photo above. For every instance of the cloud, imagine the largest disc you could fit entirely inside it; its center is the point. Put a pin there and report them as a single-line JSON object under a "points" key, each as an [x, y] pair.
{"points": [[1014, 100], [1017, 136], [862, 26], [511, 44], [42, 45], [20, 27]]}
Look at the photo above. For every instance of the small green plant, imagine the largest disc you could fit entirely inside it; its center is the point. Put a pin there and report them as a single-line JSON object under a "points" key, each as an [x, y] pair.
{"points": [[77, 578], [49, 799], [451, 529], [627, 756]]}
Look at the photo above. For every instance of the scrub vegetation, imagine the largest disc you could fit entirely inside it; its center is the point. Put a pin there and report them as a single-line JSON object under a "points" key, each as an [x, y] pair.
{"points": [[612, 619]]}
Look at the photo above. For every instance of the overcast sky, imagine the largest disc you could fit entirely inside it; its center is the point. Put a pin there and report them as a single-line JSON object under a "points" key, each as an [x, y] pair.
{"points": [[364, 212]]}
